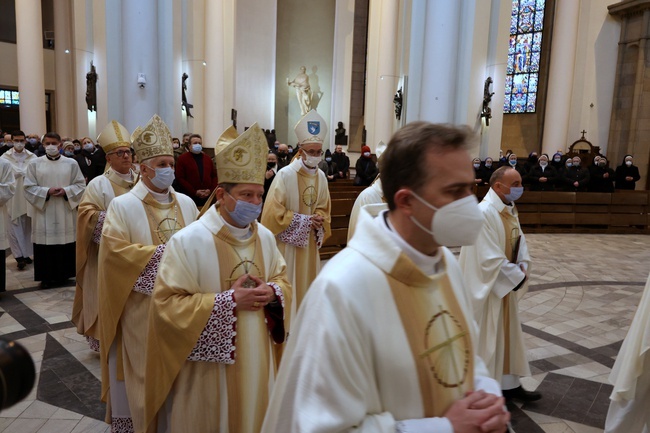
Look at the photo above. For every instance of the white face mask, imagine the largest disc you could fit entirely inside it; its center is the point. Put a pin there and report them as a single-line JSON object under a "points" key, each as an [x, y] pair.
{"points": [[628, 163], [455, 224], [19, 146], [89, 147], [366, 154], [543, 164], [164, 177], [52, 150], [312, 161]]}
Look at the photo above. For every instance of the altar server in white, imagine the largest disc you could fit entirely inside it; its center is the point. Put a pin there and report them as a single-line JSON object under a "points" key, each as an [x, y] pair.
{"points": [[19, 225], [54, 186]]}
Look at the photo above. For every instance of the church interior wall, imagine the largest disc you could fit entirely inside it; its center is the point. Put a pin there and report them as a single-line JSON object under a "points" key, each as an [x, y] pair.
{"points": [[305, 37], [193, 56]]}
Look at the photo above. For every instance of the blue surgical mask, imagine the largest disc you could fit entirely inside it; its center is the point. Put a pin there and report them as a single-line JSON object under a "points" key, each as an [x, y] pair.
{"points": [[569, 164], [244, 212], [515, 193], [197, 148], [512, 162], [328, 159], [164, 177], [477, 165], [488, 164], [68, 153]]}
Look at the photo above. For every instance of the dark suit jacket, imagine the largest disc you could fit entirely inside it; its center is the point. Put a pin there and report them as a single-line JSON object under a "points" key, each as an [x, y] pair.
{"points": [[91, 165]]}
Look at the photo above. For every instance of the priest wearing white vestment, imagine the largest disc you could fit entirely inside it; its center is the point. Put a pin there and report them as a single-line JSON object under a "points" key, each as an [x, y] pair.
{"points": [[297, 207], [629, 408], [7, 191], [136, 229], [54, 186], [115, 141], [19, 224], [392, 347], [217, 314], [496, 271]]}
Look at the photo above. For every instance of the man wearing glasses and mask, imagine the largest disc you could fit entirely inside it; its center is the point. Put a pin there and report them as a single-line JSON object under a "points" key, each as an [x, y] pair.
{"points": [[115, 140], [297, 207]]}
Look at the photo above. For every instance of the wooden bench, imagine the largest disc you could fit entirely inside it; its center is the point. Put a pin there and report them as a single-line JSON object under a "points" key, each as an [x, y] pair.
{"points": [[341, 209]]}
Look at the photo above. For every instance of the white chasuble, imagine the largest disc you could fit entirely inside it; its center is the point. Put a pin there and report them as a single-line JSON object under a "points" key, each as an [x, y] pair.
{"points": [[294, 196], [630, 399], [91, 214], [54, 219], [388, 343], [372, 199], [491, 273], [133, 239], [217, 376]]}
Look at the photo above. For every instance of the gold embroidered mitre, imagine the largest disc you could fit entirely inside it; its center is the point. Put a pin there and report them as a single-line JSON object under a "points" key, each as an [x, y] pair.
{"points": [[311, 129], [113, 136], [242, 159], [154, 140], [136, 132]]}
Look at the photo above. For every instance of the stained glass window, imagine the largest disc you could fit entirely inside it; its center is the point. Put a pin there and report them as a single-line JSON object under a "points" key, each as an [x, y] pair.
{"points": [[9, 97], [526, 26]]}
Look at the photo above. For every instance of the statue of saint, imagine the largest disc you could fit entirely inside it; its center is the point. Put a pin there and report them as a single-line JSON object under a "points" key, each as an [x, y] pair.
{"points": [[91, 88], [303, 90], [340, 137]]}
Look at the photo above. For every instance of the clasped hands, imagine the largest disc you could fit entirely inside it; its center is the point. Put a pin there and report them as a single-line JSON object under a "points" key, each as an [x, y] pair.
{"points": [[56, 192], [317, 221], [478, 412], [255, 298]]}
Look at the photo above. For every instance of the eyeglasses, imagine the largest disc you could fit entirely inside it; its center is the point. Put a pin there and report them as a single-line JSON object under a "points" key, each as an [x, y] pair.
{"points": [[121, 153], [313, 152]]}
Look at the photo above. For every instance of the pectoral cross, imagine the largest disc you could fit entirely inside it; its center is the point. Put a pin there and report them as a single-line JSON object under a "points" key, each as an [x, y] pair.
{"points": [[249, 283]]}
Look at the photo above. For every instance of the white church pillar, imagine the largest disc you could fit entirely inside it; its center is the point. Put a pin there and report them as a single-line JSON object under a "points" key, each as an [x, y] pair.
{"points": [[219, 76], [560, 77], [63, 69], [432, 66], [193, 42], [381, 79], [169, 48], [31, 82], [139, 56]]}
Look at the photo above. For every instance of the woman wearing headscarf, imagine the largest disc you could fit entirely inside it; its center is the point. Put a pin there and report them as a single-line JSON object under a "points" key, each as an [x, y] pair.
{"points": [[542, 176], [627, 174], [366, 168], [328, 166], [601, 177], [479, 173], [556, 162]]}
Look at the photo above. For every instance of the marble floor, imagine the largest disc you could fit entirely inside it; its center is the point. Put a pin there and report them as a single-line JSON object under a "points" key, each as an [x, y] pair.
{"points": [[582, 296]]}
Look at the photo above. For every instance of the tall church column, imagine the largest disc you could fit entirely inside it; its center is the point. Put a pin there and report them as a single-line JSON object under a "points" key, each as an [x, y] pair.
{"points": [[381, 75], [560, 77], [193, 42], [219, 77], [31, 69], [433, 72], [63, 69], [139, 56]]}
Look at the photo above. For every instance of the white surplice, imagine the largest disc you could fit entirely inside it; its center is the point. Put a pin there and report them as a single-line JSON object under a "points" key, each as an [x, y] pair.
{"points": [[7, 191], [54, 219], [490, 276], [630, 400], [19, 225], [348, 366]]}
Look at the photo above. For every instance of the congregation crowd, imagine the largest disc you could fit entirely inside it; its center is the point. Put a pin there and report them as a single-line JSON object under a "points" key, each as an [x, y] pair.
{"points": [[562, 172], [217, 317]]}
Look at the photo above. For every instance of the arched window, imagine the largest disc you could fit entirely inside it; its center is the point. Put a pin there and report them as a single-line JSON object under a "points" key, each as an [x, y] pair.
{"points": [[522, 71]]}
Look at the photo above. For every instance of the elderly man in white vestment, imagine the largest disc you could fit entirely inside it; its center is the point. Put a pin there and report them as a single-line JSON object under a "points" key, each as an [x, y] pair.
{"points": [[54, 186], [496, 271], [115, 141], [391, 348], [297, 207], [218, 304], [19, 224], [629, 408], [7, 191], [136, 229]]}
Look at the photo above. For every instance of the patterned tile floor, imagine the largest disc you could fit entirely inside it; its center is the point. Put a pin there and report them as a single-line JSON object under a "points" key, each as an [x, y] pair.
{"points": [[583, 294]]}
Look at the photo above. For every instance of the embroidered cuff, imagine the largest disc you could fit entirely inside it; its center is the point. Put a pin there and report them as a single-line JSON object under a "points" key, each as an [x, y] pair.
{"points": [[97, 233], [146, 279], [217, 340], [297, 234], [121, 425], [278, 294], [320, 234]]}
